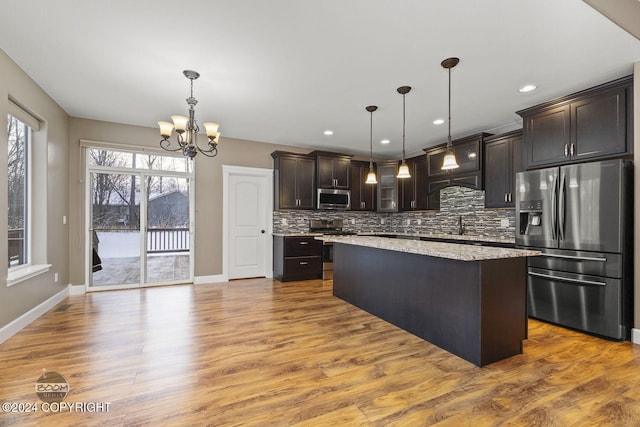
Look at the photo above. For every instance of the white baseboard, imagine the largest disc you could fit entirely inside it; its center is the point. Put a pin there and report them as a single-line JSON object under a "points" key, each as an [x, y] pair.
{"points": [[217, 278], [635, 336], [21, 322], [77, 289]]}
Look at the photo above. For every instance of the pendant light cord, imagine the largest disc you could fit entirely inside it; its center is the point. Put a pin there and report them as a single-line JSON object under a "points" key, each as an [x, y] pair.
{"points": [[371, 140], [449, 138], [403, 120]]}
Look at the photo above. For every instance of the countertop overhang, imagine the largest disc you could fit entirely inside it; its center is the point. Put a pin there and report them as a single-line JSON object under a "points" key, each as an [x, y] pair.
{"points": [[457, 251]]}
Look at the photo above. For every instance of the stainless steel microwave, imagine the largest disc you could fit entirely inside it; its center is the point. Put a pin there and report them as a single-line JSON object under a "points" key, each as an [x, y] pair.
{"points": [[334, 199]]}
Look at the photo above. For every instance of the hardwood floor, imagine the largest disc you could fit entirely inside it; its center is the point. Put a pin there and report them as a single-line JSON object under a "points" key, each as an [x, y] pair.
{"points": [[259, 352]]}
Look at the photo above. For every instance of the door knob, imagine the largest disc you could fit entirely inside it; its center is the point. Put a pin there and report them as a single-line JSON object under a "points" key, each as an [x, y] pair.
{"points": [[262, 231]]}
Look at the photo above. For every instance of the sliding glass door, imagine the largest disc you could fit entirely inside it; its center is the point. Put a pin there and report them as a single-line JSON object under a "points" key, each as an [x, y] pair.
{"points": [[115, 230], [139, 212], [168, 239]]}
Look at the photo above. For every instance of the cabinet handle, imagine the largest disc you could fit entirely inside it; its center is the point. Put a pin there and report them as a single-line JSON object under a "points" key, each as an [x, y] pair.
{"points": [[363, 205], [572, 148], [511, 197], [304, 263], [506, 197], [303, 243], [566, 150]]}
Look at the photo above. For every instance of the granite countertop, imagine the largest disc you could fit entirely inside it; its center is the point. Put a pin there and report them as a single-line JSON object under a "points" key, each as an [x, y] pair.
{"points": [[465, 237], [304, 234], [462, 252]]}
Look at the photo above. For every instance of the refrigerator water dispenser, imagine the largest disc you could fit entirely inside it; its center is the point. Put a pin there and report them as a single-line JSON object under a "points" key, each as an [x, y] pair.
{"points": [[531, 217]]}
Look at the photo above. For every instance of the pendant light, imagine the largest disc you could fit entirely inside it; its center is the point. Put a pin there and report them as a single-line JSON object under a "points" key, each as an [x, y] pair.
{"points": [[371, 176], [449, 161], [403, 170]]}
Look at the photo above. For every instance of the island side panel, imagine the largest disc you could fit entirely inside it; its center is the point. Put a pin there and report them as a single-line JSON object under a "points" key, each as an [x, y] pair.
{"points": [[504, 308], [437, 299]]}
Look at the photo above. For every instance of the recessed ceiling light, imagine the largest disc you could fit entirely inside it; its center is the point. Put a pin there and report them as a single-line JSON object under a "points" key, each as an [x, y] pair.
{"points": [[385, 141], [438, 121], [328, 132], [527, 88]]}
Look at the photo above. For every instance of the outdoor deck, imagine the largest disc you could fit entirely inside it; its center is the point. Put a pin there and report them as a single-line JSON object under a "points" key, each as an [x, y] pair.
{"points": [[161, 269]]}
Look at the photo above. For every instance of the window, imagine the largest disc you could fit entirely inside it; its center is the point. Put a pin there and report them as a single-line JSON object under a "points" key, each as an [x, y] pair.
{"points": [[19, 135], [27, 193]]}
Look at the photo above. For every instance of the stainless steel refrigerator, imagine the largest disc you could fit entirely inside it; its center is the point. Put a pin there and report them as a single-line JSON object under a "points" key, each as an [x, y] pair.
{"points": [[581, 217]]}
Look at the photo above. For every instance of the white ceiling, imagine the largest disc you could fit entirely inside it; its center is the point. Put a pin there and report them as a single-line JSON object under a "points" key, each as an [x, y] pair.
{"points": [[283, 71]]}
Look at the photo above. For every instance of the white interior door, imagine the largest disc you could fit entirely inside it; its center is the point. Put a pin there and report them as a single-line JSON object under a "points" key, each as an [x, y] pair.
{"points": [[248, 229]]}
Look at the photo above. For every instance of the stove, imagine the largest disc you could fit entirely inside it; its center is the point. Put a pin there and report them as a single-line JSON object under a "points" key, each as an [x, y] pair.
{"points": [[328, 226], [331, 227]]}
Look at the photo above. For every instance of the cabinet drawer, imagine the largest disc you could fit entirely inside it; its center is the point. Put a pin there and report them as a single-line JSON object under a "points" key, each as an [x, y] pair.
{"points": [[302, 246], [303, 268]]}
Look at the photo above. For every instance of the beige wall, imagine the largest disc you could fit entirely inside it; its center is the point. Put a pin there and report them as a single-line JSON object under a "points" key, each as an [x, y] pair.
{"points": [[208, 183], [24, 296]]}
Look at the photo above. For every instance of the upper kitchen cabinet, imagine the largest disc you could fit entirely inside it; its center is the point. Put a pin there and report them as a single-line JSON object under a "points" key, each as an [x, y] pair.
{"points": [[469, 156], [593, 124], [387, 186], [294, 180], [414, 192], [333, 170], [362, 195], [468, 152], [503, 158]]}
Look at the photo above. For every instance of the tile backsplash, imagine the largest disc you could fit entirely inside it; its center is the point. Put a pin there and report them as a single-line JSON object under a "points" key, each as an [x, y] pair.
{"points": [[455, 203]]}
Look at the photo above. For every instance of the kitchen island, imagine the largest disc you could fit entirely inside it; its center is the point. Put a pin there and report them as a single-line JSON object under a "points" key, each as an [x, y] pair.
{"points": [[468, 300]]}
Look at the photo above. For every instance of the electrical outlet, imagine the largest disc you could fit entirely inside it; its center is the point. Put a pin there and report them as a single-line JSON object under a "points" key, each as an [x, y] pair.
{"points": [[283, 221], [55, 277], [64, 219], [419, 221], [353, 221], [504, 222], [382, 221], [408, 222]]}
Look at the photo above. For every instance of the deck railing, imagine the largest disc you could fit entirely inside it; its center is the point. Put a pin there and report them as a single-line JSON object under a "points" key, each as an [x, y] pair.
{"points": [[161, 240], [16, 247]]}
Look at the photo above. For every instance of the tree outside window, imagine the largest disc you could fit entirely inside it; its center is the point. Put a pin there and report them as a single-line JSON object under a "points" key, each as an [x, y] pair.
{"points": [[18, 138]]}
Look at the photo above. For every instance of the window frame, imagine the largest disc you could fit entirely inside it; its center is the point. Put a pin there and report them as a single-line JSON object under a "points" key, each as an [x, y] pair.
{"points": [[35, 199]]}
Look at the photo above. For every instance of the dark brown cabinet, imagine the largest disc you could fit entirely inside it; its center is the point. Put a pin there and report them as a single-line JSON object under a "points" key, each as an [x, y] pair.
{"points": [[414, 191], [588, 125], [297, 258], [363, 195], [503, 158], [333, 170], [387, 186], [294, 181], [469, 155]]}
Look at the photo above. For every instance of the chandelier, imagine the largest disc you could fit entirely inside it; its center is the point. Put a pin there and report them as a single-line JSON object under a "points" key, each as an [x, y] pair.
{"points": [[187, 129]]}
